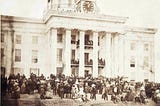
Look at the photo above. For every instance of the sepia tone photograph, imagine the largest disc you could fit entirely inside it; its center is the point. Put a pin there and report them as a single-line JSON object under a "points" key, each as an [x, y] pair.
{"points": [[80, 52]]}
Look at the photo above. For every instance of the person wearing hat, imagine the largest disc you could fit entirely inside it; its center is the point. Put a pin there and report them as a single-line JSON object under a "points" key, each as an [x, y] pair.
{"points": [[93, 92], [15, 91]]}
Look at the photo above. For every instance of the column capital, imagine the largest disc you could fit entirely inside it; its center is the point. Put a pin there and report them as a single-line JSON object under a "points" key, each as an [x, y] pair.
{"points": [[82, 31], [53, 28], [102, 32], [68, 29], [95, 31]]}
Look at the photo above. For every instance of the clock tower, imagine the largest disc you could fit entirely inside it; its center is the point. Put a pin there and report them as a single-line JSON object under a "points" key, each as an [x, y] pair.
{"points": [[86, 6]]}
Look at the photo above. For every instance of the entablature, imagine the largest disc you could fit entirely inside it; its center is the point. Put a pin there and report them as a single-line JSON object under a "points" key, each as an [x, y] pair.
{"points": [[84, 16]]}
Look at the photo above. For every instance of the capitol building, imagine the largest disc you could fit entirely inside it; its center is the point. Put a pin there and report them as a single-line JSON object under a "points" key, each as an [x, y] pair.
{"points": [[73, 38]]}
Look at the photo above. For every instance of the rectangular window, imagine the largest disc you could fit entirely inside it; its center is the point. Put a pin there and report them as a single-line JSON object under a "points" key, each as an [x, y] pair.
{"points": [[73, 37], [18, 39], [34, 56], [2, 37], [86, 37], [17, 55], [59, 38], [73, 54], [34, 71], [132, 46], [146, 47], [132, 62], [59, 55], [2, 52], [146, 61], [86, 58], [34, 39]]}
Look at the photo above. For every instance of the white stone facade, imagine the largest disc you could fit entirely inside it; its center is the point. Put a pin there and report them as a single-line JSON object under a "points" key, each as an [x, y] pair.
{"points": [[77, 43]]}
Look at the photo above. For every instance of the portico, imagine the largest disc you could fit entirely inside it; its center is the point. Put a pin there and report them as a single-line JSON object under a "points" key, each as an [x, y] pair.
{"points": [[81, 52]]}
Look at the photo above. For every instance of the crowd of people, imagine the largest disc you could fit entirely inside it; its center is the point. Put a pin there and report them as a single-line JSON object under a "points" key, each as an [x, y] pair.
{"points": [[115, 89]]}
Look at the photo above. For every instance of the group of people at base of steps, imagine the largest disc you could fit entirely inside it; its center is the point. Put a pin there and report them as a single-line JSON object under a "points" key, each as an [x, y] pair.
{"points": [[114, 89]]}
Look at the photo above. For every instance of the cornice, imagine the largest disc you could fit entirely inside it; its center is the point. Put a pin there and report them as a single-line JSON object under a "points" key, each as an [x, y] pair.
{"points": [[84, 16], [21, 19], [141, 30]]}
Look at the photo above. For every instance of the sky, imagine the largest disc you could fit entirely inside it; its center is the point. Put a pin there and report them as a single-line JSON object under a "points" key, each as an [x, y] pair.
{"points": [[142, 13]]}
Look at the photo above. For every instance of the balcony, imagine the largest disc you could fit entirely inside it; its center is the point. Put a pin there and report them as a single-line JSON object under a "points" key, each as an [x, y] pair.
{"points": [[74, 63], [101, 63], [88, 44]]}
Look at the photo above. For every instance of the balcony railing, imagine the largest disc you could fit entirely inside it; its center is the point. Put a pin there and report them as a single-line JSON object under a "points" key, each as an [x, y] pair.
{"points": [[88, 44], [89, 63], [73, 42], [101, 62], [74, 63]]}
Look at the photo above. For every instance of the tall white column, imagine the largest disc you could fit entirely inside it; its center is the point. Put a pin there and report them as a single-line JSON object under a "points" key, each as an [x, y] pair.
{"points": [[67, 54], [81, 57], [126, 58], [140, 59], [9, 54], [53, 50], [116, 52], [108, 55], [157, 57], [121, 55], [112, 56], [95, 54]]}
